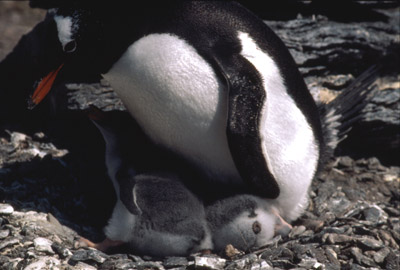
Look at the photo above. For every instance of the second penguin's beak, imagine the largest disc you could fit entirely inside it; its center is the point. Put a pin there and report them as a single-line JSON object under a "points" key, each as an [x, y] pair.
{"points": [[43, 88]]}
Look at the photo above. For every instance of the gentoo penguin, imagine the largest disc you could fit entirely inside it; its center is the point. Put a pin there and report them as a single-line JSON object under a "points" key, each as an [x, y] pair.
{"points": [[168, 219], [208, 80], [245, 221]]}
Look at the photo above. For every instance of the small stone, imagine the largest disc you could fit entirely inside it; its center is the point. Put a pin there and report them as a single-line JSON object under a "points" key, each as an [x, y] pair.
{"points": [[375, 214], [135, 258], [63, 252], [4, 233], [244, 262], [18, 139], [83, 266], [265, 266], [332, 256], [296, 231], [345, 162], [6, 209], [89, 255], [175, 262], [149, 265], [379, 256], [334, 238], [44, 263], [392, 211], [231, 251], [313, 224], [360, 258], [310, 263], [369, 243], [392, 261], [208, 262], [43, 245], [8, 242]]}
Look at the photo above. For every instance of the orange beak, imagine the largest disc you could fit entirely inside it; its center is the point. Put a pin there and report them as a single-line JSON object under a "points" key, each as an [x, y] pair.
{"points": [[43, 88]]}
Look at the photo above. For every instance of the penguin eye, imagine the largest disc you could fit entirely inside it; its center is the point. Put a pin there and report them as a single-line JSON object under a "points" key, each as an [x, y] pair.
{"points": [[256, 227], [70, 47]]}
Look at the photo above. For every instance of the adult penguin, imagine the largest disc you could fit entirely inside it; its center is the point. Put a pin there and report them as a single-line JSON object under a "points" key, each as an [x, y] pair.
{"points": [[208, 80]]}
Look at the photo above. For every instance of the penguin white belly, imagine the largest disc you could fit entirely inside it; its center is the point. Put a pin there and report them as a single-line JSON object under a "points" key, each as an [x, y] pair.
{"points": [[289, 144], [175, 95]]}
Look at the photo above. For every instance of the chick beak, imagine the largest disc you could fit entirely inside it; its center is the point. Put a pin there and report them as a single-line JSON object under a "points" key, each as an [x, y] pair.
{"points": [[43, 88]]}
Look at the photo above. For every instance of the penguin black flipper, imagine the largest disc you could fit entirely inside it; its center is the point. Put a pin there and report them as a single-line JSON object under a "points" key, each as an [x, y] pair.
{"points": [[246, 97], [126, 188]]}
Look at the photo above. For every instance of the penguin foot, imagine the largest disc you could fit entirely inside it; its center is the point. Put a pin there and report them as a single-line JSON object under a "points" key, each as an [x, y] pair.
{"points": [[282, 227], [102, 246]]}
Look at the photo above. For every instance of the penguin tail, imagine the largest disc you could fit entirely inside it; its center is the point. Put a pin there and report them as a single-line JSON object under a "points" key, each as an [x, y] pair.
{"points": [[339, 115]]}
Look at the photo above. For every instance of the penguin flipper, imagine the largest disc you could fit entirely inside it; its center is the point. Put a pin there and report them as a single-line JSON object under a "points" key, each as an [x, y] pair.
{"points": [[246, 97], [126, 194]]}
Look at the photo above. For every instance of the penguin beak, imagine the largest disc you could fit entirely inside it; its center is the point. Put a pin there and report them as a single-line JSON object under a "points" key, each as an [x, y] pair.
{"points": [[43, 88]]}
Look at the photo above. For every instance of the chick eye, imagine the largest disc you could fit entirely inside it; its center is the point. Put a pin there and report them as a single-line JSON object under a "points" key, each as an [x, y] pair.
{"points": [[70, 47], [256, 227]]}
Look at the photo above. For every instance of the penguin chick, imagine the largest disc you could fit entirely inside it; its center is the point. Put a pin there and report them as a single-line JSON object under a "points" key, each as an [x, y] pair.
{"points": [[171, 221], [159, 215], [245, 221]]}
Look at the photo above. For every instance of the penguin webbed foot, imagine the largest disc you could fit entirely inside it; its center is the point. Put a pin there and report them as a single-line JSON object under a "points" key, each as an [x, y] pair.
{"points": [[103, 246]]}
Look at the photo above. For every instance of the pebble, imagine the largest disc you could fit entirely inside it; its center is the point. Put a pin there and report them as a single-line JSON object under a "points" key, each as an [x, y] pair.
{"points": [[6, 209], [89, 255], [333, 238], [62, 251], [369, 243], [332, 256], [209, 262], [361, 258], [296, 231], [243, 262], [83, 266], [375, 214], [310, 263], [43, 245], [172, 262], [380, 256], [4, 233], [44, 263], [8, 242]]}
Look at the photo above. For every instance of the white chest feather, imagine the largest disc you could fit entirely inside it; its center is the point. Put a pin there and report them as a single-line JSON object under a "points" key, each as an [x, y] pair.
{"points": [[177, 98], [288, 141]]}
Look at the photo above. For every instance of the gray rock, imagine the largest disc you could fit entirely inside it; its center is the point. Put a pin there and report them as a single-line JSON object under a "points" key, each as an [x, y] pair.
{"points": [[62, 251], [375, 214], [6, 209], [361, 258], [392, 261], [244, 262], [332, 256], [44, 263], [369, 243], [333, 238], [209, 262], [90, 255], [296, 231], [4, 233], [43, 245], [149, 265], [172, 262], [311, 263], [9, 242], [380, 256], [83, 266]]}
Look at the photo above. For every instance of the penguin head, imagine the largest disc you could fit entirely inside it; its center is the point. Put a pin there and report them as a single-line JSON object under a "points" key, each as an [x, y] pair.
{"points": [[247, 222]]}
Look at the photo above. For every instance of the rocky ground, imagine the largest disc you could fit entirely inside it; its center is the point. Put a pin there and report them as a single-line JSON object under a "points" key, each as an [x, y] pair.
{"points": [[53, 185]]}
